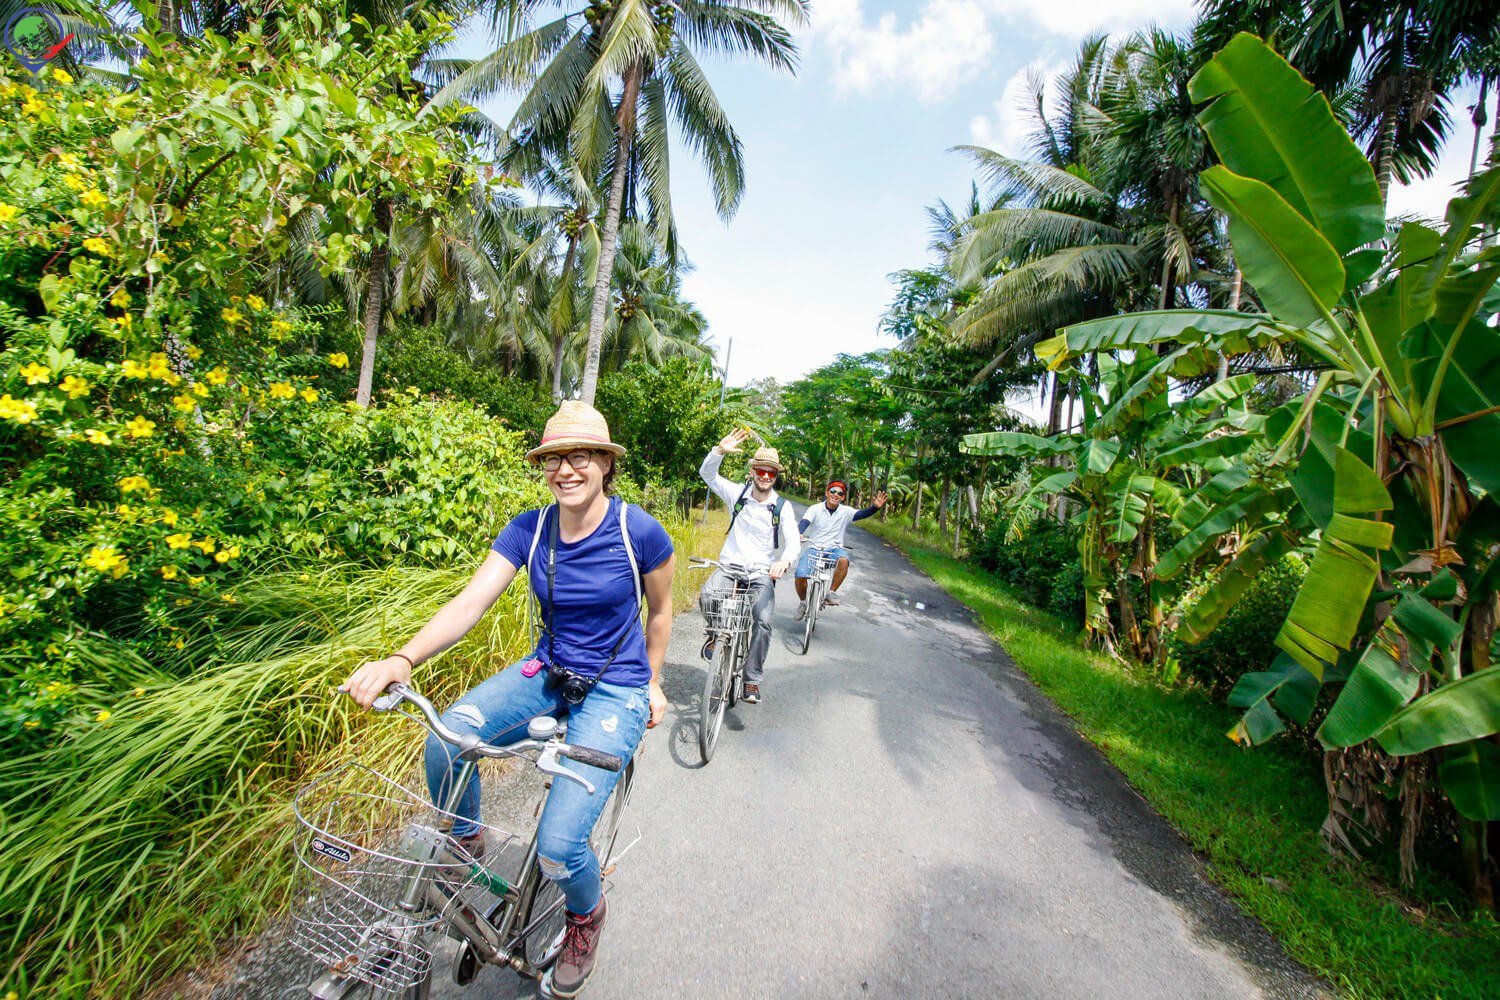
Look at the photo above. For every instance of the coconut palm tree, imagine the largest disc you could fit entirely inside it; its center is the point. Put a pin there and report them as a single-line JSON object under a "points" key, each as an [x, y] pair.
{"points": [[615, 78]]}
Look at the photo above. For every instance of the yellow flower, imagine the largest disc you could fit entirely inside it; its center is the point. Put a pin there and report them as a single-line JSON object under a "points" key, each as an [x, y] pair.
{"points": [[95, 436], [339, 359], [178, 643], [74, 386], [255, 302], [69, 161], [124, 321], [206, 545], [125, 510], [193, 352], [33, 107], [34, 373], [120, 299], [280, 327], [93, 198], [29, 724], [229, 599], [169, 572], [231, 315], [22, 411], [180, 540], [282, 390], [8, 212], [216, 376], [183, 602], [169, 518], [185, 403], [311, 395], [139, 692], [224, 555], [60, 75], [74, 182], [140, 427], [107, 560], [54, 689], [95, 245], [194, 581], [133, 369], [102, 716], [159, 366], [132, 483]]}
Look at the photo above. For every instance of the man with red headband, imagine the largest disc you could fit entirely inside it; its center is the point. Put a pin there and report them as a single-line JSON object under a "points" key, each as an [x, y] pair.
{"points": [[823, 527]]}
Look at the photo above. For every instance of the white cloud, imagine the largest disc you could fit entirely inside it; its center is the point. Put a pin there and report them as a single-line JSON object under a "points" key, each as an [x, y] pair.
{"points": [[1011, 120], [1076, 18], [946, 43]]}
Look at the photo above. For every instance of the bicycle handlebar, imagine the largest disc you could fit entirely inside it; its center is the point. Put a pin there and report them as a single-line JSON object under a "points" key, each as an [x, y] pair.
{"points": [[548, 749], [733, 570]]}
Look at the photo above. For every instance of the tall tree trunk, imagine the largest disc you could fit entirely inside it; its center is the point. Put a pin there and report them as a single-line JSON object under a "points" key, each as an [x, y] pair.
{"points": [[557, 367], [958, 521], [1385, 152], [624, 138], [1236, 285], [943, 504], [171, 18], [374, 299], [559, 336], [916, 510], [1054, 415]]}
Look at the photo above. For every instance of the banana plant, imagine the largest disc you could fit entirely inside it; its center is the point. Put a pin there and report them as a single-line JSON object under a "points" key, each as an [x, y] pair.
{"points": [[1388, 465], [1123, 472]]}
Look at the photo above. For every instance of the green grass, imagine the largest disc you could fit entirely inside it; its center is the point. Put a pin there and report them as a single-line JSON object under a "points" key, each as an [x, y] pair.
{"points": [[1253, 815], [145, 843]]}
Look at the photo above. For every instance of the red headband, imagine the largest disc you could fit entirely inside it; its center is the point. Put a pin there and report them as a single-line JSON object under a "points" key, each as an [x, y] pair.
{"points": [[837, 483]]}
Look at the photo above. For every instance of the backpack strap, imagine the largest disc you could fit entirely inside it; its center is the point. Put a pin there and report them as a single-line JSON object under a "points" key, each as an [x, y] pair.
{"points": [[635, 567], [534, 606], [776, 523], [739, 505]]}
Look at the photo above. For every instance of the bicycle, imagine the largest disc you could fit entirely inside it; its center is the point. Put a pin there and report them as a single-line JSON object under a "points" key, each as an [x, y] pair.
{"points": [[726, 624], [819, 583], [377, 910]]}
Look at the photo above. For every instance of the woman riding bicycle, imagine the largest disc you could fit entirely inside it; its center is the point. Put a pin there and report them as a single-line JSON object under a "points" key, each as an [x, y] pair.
{"points": [[589, 558]]}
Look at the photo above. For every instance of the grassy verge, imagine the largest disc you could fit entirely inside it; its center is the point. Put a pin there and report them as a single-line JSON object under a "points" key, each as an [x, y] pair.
{"points": [[146, 841], [1252, 814]]}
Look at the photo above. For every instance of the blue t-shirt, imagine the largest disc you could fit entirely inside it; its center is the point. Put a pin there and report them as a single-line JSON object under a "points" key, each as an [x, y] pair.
{"points": [[594, 590]]}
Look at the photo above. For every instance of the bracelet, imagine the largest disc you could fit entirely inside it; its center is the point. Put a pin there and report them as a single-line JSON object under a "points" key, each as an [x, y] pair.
{"points": [[409, 664]]}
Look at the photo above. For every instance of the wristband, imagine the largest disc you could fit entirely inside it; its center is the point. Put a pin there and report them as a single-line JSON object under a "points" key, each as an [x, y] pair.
{"points": [[409, 664]]}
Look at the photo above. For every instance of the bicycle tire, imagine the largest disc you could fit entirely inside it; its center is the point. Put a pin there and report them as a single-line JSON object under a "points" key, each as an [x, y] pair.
{"points": [[545, 940], [741, 646], [809, 620], [715, 700]]}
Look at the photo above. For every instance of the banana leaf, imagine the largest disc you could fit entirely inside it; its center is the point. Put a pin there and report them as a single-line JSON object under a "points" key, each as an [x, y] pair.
{"points": [[1295, 271], [1246, 506], [1267, 122], [1016, 443], [1471, 777], [1466, 709], [1232, 583], [1379, 687], [1230, 332], [1286, 685]]}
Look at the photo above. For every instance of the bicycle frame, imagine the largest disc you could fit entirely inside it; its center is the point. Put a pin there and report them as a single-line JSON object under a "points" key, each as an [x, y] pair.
{"points": [[494, 937]]}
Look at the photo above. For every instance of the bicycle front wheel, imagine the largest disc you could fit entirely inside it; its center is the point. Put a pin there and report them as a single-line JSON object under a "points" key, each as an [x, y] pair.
{"points": [[809, 621], [543, 910], [716, 695]]}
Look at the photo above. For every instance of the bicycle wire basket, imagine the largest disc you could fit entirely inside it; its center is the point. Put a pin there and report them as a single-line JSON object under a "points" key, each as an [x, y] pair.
{"points": [[361, 844], [728, 612], [823, 561]]}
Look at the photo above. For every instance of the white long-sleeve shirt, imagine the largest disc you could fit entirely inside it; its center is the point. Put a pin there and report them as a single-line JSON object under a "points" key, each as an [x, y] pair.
{"points": [[750, 542]]}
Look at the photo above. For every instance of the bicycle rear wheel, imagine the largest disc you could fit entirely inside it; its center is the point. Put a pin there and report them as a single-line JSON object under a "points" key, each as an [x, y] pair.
{"points": [[543, 905], [717, 692]]}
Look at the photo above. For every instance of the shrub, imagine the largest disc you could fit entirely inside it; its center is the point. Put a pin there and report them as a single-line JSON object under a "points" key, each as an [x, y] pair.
{"points": [[417, 357], [1245, 640], [1042, 565]]}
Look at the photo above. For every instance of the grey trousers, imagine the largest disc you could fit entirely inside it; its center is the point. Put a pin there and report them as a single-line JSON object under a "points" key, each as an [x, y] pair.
{"points": [[763, 593]]}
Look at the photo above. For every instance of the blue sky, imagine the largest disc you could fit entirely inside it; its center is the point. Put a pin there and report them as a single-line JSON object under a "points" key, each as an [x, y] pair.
{"points": [[841, 160]]}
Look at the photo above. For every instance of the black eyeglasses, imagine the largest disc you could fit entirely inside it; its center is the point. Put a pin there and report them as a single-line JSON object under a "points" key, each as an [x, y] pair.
{"points": [[577, 459]]}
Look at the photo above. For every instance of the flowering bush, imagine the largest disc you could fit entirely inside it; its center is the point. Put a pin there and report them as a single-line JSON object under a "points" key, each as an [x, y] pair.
{"points": [[165, 427]]}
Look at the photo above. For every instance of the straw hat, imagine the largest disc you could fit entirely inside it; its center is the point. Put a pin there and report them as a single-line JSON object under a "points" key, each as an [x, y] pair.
{"points": [[576, 424], [767, 456]]}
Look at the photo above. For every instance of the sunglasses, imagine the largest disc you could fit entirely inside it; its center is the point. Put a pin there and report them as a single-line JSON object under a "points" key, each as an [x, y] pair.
{"points": [[577, 459], [835, 493], [764, 473]]}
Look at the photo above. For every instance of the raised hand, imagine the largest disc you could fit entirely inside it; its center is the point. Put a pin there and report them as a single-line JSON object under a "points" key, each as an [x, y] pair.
{"points": [[879, 498], [733, 440]]}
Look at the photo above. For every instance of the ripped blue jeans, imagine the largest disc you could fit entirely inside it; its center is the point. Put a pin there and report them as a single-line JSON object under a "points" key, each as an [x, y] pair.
{"points": [[612, 718]]}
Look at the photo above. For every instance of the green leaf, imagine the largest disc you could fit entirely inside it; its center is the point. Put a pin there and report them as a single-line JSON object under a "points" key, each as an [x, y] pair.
{"points": [[1015, 443], [1377, 689], [1295, 271], [1231, 332], [125, 138], [1231, 584], [1467, 709], [1356, 487], [1268, 123], [1249, 507], [1328, 606], [1471, 777]]}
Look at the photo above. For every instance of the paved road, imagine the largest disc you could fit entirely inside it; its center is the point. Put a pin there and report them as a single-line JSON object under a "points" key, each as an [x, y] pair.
{"points": [[902, 816]]}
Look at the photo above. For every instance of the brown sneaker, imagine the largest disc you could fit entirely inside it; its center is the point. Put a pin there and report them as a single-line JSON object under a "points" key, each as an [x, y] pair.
{"points": [[579, 949], [752, 694]]}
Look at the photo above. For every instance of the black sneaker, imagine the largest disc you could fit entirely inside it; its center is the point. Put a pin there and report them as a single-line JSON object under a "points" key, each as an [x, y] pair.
{"points": [[579, 949], [752, 694]]}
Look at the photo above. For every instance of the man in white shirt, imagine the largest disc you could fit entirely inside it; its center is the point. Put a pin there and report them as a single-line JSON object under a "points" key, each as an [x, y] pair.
{"points": [[762, 538], [823, 527]]}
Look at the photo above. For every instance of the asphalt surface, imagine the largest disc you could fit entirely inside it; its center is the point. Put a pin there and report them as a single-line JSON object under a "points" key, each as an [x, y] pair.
{"points": [[903, 815]]}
